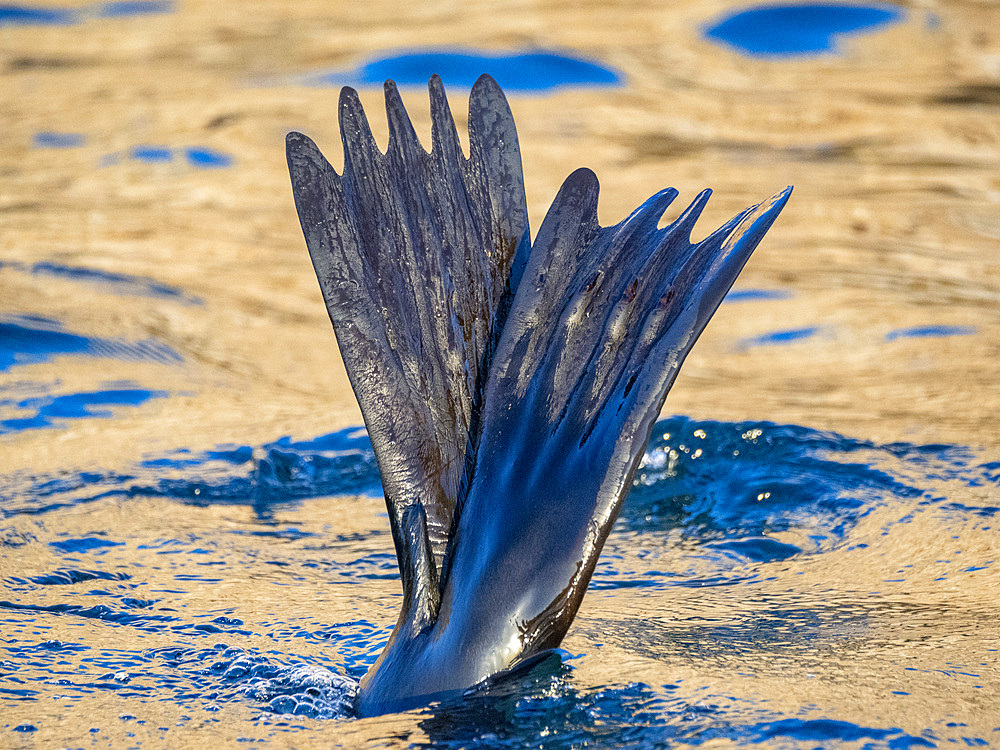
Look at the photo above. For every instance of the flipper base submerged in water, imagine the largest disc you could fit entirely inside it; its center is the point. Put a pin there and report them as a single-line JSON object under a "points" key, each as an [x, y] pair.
{"points": [[509, 388]]}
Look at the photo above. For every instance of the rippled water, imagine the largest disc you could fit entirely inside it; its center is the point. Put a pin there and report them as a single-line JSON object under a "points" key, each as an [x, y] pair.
{"points": [[809, 559], [253, 585]]}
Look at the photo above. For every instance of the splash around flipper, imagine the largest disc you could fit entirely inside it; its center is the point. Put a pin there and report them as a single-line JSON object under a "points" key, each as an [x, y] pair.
{"points": [[509, 389]]}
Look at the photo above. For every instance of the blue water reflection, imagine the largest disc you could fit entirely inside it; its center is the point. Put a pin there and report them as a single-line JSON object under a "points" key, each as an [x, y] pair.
{"points": [[535, 71], [122, 283], [784, 336], [36, 15], [30, 339], [798, 29], [757, 295], [720, 504], [52, 411], [923, 332], [49, 139]]}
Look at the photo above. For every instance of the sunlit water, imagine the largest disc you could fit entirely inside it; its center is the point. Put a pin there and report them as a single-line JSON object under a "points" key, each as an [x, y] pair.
{"points": [[222, 585], [811, 561]]}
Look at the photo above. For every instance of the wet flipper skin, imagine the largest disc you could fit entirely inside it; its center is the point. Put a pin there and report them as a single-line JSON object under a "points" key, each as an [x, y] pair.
{"points": [[417, 256], [509, 392]]}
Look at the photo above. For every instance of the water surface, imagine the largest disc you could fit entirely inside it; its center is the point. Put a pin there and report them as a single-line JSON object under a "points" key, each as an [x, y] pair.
{"points": [[267, 597], [534, 71], [796, 29], [193, 543]]}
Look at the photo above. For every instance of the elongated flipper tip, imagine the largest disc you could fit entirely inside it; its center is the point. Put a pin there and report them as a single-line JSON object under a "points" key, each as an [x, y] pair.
{"points": [[737, 248], [495, 157]]}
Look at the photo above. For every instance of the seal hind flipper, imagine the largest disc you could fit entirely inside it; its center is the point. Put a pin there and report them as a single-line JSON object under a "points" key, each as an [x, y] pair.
{"points": [[509, 391], [414, 253], [598, 330]]}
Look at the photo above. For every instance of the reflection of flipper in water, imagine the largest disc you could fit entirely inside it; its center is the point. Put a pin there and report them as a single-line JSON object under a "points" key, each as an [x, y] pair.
{"points": [[508, 391]]}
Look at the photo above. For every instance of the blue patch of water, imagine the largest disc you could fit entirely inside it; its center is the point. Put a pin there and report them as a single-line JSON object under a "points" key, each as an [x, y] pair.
{"points": [[631, 715], [786, 336], [983, 511], [746, 492], [528, 71], [265, 477], [63, 577], [755, 295], [49, 139], [142, 286], [200, 157], [749, 480], [342, 462], [29, 339], [31, 15], [151, 154], [84, 544], [127, 8], [756, 548], [798, 29], [207, 158], [51, 411], [741, 496], [753, 493], [920, 332], [827, 730]]}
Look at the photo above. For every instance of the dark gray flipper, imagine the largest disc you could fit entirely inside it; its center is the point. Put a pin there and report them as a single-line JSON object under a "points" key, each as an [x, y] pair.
{"points": [[602, 321], [418, 255], [600, 325], [509, 397]]}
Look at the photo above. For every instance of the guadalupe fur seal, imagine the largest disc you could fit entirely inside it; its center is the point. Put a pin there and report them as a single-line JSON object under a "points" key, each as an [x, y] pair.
{"points": [[509, 388]]}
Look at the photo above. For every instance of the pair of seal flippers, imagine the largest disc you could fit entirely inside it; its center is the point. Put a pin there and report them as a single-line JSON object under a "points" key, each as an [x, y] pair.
{"points": [[509, 388]]}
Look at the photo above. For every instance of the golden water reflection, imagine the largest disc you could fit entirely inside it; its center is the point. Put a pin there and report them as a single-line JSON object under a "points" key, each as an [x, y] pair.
{"points": [[882, 324]]}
